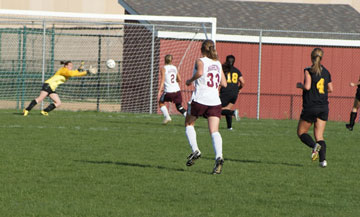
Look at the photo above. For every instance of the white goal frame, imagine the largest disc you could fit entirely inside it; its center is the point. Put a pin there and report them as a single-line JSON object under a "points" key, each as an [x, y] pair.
{"points": [[44, 16]]}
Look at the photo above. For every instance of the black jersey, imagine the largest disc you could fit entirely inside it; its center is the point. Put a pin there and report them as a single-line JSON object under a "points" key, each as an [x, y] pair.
{"points": [[317, 96], [232, 76]]}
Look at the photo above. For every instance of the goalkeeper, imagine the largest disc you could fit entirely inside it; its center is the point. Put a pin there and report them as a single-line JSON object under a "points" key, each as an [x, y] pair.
{"points": [[50, 85]]}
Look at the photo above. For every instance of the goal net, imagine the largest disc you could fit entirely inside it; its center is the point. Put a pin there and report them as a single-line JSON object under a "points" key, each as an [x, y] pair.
{"points": [[33, 43]]}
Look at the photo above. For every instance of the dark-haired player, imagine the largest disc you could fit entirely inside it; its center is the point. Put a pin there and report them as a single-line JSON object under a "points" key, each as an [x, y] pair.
{"points": [[169, 88], [229, 94], [317, 84], [50, 85], [355, 107]]}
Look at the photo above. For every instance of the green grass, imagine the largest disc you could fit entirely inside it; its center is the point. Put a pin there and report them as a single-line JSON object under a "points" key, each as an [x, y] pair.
{"points": [[114, 164]]}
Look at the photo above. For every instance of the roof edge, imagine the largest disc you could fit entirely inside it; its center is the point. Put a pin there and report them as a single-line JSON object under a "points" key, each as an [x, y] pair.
{"points": [[127, 7]]}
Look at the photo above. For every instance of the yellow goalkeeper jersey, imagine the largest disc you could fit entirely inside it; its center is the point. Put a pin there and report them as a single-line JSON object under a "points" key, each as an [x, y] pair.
{"points": [[62, 75]]}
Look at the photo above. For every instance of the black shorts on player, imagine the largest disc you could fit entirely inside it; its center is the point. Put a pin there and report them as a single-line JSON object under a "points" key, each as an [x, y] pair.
{"points": [[228, 97], [312, 114], [46, 87]]}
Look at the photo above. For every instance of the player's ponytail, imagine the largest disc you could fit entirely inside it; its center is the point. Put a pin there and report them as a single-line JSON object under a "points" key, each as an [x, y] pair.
{"points": [[65, 63], [168, 59], [316, 56], [208, 49]]}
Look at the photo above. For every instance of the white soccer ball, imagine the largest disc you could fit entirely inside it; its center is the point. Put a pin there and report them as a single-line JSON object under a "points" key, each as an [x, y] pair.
{"points": [[110, 63]]}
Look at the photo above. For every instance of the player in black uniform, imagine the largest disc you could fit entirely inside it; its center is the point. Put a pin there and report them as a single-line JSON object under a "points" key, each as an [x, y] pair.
{"points": [[355, 107], [229, 94], [317, 84]]}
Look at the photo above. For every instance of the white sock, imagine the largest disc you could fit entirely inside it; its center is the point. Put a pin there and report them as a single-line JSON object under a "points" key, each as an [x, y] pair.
{"points": [[217, 144], [185, 114], [164, 110], [191, 136]]}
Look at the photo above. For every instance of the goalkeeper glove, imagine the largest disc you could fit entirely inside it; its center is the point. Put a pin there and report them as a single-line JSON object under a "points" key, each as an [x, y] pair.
{"points": [[91, 70], [81, 67]]}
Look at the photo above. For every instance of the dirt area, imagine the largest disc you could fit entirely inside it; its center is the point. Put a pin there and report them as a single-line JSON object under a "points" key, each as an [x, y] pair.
{"points": [[70, 106]]}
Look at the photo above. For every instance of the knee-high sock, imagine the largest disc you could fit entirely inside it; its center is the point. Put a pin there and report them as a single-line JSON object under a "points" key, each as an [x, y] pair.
{"points": [[191, 136], [165, 112], [228, 114], [31, 105], [217, 144], [352, 118], [180, 109], [50, 107], [229, 121], [307, 140], [322, 152]]}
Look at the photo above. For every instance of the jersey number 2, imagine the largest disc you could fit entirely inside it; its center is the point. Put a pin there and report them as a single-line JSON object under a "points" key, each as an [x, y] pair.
{"points": [[172, 80], [320, 86]]}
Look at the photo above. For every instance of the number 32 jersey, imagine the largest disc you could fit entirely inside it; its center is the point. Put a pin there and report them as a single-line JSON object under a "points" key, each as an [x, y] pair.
{"points": [[317, 96], [206, 87], [170, 83]]}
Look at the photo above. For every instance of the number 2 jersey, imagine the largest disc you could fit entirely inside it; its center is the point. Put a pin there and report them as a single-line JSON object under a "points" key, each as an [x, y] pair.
{"points": [[170, 83], [206, 87], [317, 96]]}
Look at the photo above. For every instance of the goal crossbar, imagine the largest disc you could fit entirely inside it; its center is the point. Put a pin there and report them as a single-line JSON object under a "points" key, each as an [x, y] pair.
{"points": [[118, 17]]}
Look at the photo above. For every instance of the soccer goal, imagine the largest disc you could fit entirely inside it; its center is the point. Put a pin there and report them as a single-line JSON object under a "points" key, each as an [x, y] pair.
{"points": [[32, 44]]}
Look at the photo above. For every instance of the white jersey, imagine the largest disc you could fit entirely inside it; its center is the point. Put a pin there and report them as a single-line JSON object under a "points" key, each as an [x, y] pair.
{"points": [[206, 87], [170, 83]]}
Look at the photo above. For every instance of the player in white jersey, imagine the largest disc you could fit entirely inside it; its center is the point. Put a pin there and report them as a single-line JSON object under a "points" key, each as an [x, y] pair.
{"points": [[169, 88], [208, 77]]}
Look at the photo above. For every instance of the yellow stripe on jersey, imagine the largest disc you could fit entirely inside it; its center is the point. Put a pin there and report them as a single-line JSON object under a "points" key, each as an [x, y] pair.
{"points": [[61, 76]]}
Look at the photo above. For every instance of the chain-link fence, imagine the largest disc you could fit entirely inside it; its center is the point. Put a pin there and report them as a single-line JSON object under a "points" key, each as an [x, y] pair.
{"points": [[31, 50], [272, 62]]}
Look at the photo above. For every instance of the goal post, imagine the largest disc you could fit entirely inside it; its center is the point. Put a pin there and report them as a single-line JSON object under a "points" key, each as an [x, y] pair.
{"points": [[32, 43]]}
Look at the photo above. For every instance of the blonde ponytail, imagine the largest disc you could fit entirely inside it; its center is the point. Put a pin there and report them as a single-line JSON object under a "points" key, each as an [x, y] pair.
{"points": [[208, 49], [316, 56]]}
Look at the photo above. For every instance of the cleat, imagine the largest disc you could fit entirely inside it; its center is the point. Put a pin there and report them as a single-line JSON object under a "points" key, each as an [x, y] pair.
{"points": [[166, 120], [25, 112], [349, 127], [315, 152], [218, 166], [44, 113], [323, 164], [230, 128], [192, 157], [236, 113]]}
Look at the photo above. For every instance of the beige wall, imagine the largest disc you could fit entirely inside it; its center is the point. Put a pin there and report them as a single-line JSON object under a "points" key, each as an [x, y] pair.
{"points": [[85, 6]]}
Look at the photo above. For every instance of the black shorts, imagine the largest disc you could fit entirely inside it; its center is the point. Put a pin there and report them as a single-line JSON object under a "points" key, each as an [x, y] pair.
{"points": [[46, 87], [228, 97], [358, 94], [311, 114]]}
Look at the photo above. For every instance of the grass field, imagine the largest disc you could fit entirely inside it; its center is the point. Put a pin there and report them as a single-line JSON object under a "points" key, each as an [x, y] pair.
{"points": [[113, 164]]}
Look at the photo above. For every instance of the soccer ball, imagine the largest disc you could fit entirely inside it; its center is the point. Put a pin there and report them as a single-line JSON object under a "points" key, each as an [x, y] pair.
{"points": [[110, 63]]}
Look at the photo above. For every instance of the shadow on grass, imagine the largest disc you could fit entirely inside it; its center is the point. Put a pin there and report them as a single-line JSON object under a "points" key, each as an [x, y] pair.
{"points": [[146, 123], [257, 162], [140, 165], [18, 113]]}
